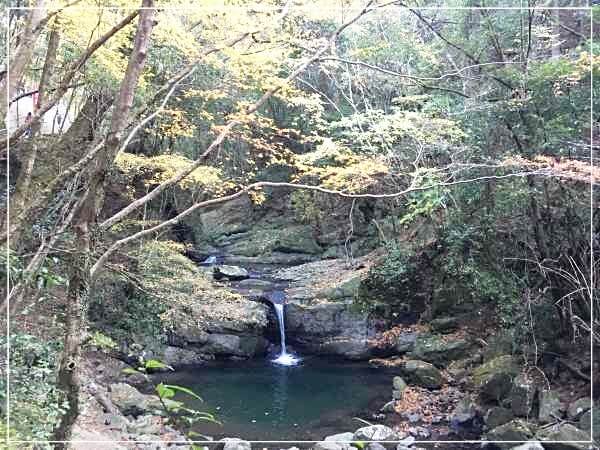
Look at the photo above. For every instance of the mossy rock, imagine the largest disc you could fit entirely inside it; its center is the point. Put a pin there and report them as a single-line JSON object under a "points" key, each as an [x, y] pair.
{"points": [[344, 290], [423, 374], [439, 351], [559, 436], [515, 430], [494, 378]]}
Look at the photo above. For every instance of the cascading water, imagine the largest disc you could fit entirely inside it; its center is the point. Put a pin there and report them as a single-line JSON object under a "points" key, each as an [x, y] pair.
{"points": [[284, 358]]}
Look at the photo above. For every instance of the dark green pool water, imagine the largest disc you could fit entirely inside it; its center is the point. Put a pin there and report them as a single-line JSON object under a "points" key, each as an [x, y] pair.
{"points": [[258, 400]]}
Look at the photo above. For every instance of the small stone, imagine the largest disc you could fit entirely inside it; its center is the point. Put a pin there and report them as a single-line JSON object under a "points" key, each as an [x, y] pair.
{"points": [[532, 445], [444, 324], [406, 442], [375, 446], [399, 384], [389, 407], [414, 418], [375, 433], [420, 432], [341, 437], [235, 444]]}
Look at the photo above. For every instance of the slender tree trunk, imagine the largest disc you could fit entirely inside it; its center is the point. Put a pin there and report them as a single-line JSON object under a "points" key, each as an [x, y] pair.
{"points": [[20, 196]]}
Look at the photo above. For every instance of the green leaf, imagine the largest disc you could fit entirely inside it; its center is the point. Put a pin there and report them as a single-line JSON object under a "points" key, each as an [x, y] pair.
{"points": [[155, 364], [185, 390], [164, 392], [130, 370]]}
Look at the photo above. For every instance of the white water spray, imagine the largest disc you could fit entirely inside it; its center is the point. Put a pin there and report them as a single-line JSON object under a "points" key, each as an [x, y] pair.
{"points": [[284, 358]]}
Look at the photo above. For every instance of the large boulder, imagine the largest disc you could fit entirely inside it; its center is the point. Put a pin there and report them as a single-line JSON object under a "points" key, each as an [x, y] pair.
{"points": [[522, 395], [444, 324], [330, 445], [405, 342], [230, 272], [440, 351], [464, 413], [557, 436], [578, 407], [130, 401], [423, 374], [497, 415], [494, 378], [515, 430], [375, 433], [585, 423], [550, 406]]}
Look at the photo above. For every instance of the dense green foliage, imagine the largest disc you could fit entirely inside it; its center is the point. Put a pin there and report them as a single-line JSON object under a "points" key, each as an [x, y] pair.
{"points": [[34, 399]]}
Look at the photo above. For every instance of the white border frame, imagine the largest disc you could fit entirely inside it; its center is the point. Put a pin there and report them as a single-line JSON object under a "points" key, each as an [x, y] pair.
{"points": [[202, 443]]}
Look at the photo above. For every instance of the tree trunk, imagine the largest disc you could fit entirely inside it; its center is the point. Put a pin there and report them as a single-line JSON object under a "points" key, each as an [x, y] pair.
{"points": [[79, 276]]}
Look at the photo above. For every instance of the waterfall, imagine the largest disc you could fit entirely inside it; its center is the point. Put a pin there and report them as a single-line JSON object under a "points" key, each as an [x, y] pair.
{"points": [[284, 358]]}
